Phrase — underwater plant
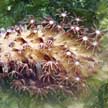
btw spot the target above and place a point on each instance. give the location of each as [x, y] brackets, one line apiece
[49, 56]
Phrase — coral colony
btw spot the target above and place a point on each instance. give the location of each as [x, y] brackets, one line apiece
[50, 56]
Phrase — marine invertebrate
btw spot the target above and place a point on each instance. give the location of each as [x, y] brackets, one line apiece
[50, 56]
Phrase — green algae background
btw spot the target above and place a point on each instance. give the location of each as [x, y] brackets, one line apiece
[96, 11]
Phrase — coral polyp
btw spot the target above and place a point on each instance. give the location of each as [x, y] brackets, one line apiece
[49, 56]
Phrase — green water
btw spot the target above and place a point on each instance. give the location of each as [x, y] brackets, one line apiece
[9, 100]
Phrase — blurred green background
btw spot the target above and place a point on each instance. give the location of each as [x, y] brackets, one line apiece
[12, 11]
[96, 12]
